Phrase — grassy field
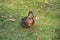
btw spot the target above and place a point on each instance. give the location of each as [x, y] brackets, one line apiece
[47, 19]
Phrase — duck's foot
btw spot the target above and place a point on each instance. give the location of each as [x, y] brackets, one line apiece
[30, 28]
[25, 28]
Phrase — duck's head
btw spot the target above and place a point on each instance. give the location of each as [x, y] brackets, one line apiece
[30, 14]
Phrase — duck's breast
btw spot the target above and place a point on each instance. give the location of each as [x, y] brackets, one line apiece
[29, 21]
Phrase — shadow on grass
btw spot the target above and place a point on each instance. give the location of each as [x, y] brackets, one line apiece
[57, 37]
[58, 32]
[59, 16]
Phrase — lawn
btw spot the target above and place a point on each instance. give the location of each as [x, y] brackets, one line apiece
[47, 19]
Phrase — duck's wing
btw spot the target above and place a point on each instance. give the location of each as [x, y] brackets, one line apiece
[23, 21]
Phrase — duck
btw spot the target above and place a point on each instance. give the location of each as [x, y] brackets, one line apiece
[28, 21]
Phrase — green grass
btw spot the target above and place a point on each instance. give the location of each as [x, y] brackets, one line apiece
[47, 19]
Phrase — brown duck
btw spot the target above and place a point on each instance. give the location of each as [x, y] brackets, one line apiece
[27, 22]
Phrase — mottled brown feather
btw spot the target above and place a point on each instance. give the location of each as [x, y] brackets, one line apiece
[28, 21]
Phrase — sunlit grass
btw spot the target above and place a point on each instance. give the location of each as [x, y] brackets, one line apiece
[47, 19]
